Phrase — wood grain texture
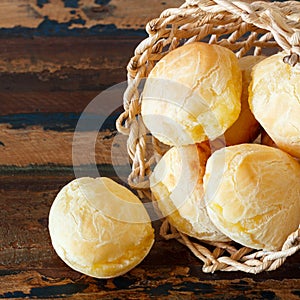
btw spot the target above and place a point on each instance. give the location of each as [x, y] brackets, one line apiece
[40, 54]
[29, 266]
[36, 146]
[124, 14]
[61, 65]
[57, 17]
[37, 101]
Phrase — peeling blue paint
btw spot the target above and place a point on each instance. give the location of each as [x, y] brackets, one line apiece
[65, 122]
[51, 28]
[102, 2]
[71, 3]
[48, 291]
[66, 289]
[16, 294]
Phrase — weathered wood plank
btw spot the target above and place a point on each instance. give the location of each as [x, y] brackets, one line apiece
[34, 102]
[55, 17]
[40, 54]
[30, 268]
[35, 146]
[62, 64]
[36, 285]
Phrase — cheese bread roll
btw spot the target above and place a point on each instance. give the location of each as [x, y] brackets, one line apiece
[252, 194]
[95, 229]
[274, 98]
[176, 184]
[192, 94]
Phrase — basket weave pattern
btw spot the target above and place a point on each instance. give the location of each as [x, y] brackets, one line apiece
[245, 28]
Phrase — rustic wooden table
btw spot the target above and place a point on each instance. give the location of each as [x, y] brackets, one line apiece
[55, 57]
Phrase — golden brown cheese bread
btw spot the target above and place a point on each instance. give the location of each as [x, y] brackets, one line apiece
[252, 194]
[176, 184]
[192, 94]
[95, 229]
[274, 98]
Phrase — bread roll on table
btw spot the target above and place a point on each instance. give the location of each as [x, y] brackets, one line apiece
[99, 228]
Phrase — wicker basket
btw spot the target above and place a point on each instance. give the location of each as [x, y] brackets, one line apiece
[246, 29]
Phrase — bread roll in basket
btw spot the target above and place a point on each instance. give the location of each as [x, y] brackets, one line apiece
[256, 28]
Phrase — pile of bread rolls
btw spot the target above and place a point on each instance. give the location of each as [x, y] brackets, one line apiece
[248, 192]
[214, 183]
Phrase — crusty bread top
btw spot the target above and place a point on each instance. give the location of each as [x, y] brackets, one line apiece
[252, 193]
[192, 94]
[91, 241]
[176, 184]
[274, 98]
